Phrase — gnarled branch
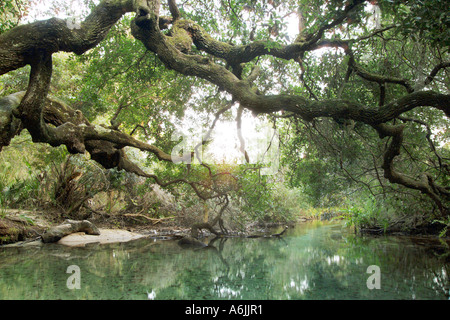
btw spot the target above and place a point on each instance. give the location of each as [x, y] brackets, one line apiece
[19, 45]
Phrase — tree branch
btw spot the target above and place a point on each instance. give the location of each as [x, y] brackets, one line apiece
[425, 185]
[338, 20]
[435, 71]
[202, 67]
[381, 80]
[174, 11]
[428, 137]
[19, 45]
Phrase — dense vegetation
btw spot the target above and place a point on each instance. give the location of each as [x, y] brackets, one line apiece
[357, 92]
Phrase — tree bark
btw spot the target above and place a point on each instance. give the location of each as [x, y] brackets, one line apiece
[10, 126]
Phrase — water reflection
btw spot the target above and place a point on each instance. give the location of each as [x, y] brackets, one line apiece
[312, 261]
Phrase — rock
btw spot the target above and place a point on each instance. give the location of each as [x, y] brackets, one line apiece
[80, 239]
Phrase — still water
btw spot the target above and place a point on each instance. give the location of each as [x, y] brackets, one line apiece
[314, 260]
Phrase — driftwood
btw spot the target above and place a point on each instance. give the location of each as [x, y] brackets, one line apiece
[193, 243]
[281, 233]
[269, 236]
[195, 229]
[69, 227]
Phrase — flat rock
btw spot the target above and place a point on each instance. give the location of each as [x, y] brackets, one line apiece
[80, 239]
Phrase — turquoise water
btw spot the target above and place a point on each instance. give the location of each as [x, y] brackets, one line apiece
[314, 260]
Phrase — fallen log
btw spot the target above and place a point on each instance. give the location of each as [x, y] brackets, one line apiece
[69, 227]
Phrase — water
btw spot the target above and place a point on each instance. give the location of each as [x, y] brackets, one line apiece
[311, 261]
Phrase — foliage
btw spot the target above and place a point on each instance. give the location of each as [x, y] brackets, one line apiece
[369, 214]
[428, 20]
[326, 162]
[11, 12]
[446, 224]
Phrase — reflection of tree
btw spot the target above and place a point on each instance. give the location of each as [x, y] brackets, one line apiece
[309, 263]
[218, 250]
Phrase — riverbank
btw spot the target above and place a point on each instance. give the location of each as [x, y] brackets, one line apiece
[26, 226]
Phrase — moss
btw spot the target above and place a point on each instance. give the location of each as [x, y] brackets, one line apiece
[16, 230]
[180, 38]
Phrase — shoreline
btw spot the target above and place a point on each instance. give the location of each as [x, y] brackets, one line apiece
[25, 226]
